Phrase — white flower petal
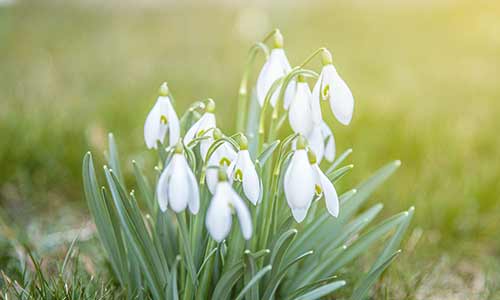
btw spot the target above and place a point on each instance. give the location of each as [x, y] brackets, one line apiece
[317, 142]
[299, 113]
[341, 99]
[299, 214]
[275, 67]
[206, 122]
[162, 188]
[242, 212]
[219, 218]
[329, 192]
[290, 91]
[154, 129]
[173, 125]
[299, 181]
[194, 193]
[251, 184]
[330, 142]
[224, 154]
[179, 185]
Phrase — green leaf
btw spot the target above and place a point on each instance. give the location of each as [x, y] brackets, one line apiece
[267, 153]
[172, 292]
[276, 279]
[144, 188]
[226, 283]
[254, 280]
[109, 236]
[310, 286]
[339, 160]
[322, 291]
[362, 244]
[364, 285]
[339, 173]
[113, 158]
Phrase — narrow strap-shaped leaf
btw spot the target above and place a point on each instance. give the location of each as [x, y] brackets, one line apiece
[113, 158]
[364, 285]
[267, 153]
[138, 237]
[339, 173]
[172, 292]
[205, 261]
[362, 244]
[339, 160]
[254, 280]
[188, 253]
[322, 291]
[280, 249]
[310, 286]
[227, 281]
[393, 244]
[110, 239]
[144, 188]
[327, 248]
[276, 279]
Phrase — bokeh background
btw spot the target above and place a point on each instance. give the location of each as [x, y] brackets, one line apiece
[425, 76]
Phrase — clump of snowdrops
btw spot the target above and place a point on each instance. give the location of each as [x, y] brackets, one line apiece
[245, 215]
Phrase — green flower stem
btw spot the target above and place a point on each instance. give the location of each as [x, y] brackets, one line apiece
[310, 57]
[243, 90]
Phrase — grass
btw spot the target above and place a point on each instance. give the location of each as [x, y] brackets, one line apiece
[424, 76]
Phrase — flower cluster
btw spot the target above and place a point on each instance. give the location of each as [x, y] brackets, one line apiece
[229, 169]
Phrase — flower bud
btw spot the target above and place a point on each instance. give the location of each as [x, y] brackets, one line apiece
[326, 57]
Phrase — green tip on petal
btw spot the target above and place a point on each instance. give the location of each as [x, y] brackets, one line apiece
[301, 78]
[312, 156]
[278, 39]
[217, 134]
[243, 142]
[301, 143]
[222, 175]
[210, 107]
[326, 57]
[179, 148]
[163, 91]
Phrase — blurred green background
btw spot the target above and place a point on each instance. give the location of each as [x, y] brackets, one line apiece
[425, 76]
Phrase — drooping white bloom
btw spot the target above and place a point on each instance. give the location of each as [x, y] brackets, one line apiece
[242, 169]
[177, 186]
[224, 203]
[275, 67]
[161, 117]
[223, 156]
[322, 142]
[300, 111]
[299, 183]
[325, 188]
[201, 128]
[330, 86]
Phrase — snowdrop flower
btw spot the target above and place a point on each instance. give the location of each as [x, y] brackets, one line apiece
[324, 187]
[322, 142]
[177, 186]
[224, 204]
[242, 169]
[300, 112]
[201, 127]
[299, 182]
[331, 87]
[223, 156]
[276, 66]
[161, 117]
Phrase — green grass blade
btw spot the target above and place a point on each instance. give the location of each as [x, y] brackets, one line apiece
[339, 173]
[267, 153]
